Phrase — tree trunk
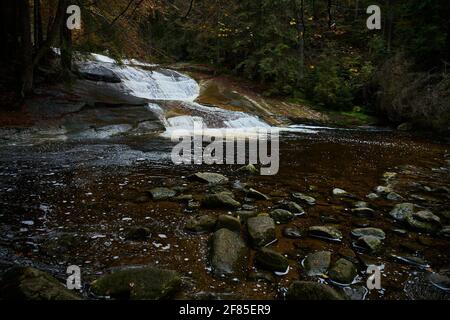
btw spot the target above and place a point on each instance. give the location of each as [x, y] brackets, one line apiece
[27, 49]
[54, 32]
[38, 34]
[66, 47]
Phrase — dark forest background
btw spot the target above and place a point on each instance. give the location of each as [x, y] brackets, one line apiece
[314, 52]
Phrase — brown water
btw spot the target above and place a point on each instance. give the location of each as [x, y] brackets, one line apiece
[93, 191]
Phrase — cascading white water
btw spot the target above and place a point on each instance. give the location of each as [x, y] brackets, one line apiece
[164, 84]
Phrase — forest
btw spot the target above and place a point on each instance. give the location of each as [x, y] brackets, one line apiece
[246, 150]
[316, 52]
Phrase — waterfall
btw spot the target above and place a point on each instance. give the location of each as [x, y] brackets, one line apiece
[158, 85]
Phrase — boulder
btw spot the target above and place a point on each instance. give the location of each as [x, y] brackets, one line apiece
[281, 216]
[361, 232]
[304, 198]
[220, 200]
[210, 178]
[254, 194]
[307, 290]
[343, 272]
[371, 243]
[228, 253]
[25, 283]
[424, 221]
[340, 192]
[401, 211]
[261, 230]
[445, 232]
[317, 264]
[244, 215]
[325, 232]
[249, 169]
[291, 206]
[271, 260]
[138, 284]
[228, 222]
[203, 223]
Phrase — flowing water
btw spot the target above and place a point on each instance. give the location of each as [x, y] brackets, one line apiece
[70, 201]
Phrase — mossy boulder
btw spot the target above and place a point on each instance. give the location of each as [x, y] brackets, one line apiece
[306, 290]
[147, 283]
[271, 260]
[228, 253]
[261, 230]
[25, 283]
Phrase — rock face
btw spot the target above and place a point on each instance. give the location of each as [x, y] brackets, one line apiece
[261, 230]
[220, 200]
[317, 263]
[211, 178]
[325, 232]
[228, 222]
[424, 221]
[228, 253]
[361, 232]
[271, 260]
[138, 284]
[162, 193]
[204, 223]
[401, 211]
[281, 216]
[305, 290]
[343, 272]
[304, 198]
[24, 283]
